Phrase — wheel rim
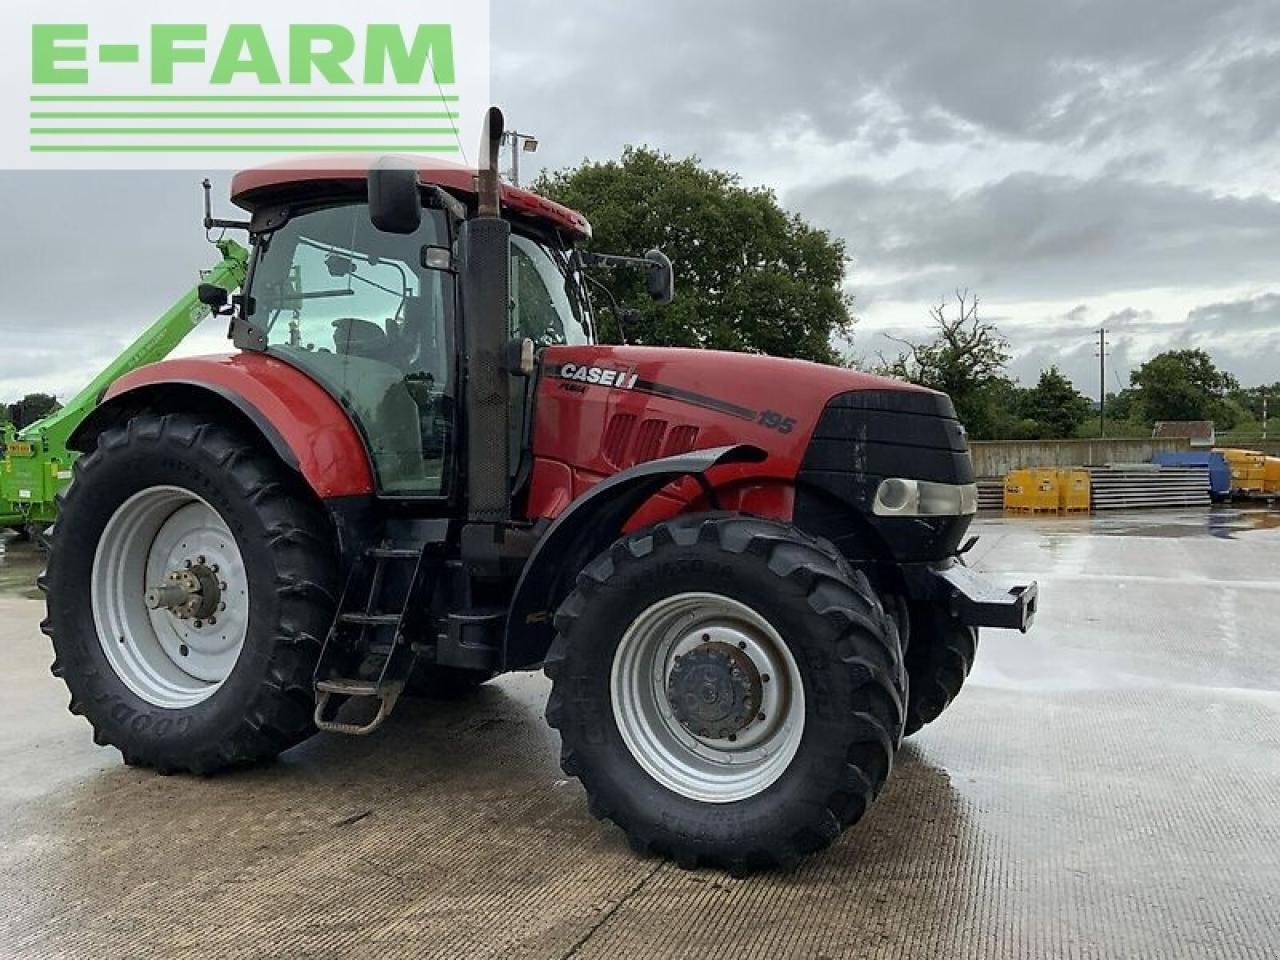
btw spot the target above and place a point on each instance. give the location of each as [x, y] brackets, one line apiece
[167, 537]
[730, 758]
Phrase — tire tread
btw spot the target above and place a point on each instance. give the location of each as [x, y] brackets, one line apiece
[867, 648]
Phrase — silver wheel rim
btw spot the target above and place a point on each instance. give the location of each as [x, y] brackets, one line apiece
[167, 660]
[713, 770]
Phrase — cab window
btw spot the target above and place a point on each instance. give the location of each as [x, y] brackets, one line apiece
[542, 308]
[357, 310]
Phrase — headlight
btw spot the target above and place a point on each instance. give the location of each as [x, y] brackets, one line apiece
[902, 497]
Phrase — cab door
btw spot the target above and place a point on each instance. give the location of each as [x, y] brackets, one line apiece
[359, 311]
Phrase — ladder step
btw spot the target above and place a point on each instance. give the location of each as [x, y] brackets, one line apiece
[370, 619]
[343, 687]
[394, 553]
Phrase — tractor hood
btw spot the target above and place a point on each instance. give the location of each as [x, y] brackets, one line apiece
[831, 437]
[605, 408]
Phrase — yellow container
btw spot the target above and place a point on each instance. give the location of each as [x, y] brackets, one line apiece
[1073, 491]
[1031, 491]
[1248, 468]
[1237, 454]
[1271, 475]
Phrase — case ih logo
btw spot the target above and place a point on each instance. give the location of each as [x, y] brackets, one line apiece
[98, 84]
[624, 379]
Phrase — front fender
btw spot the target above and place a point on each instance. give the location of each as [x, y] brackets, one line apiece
[583, 531]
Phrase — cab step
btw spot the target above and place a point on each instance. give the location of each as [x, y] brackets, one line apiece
[369, 654]
[343, 690]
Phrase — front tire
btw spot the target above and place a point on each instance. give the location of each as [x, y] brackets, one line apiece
[728, 691]
[939, 658]
[227, 680]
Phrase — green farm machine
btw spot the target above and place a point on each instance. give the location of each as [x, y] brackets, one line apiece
[35, 461]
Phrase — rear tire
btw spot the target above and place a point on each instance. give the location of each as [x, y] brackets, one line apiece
[939, 658]
[775, 790]
[234, 692]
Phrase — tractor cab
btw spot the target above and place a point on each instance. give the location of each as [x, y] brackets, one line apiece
[375, 316]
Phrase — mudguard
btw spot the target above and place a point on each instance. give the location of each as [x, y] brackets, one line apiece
[583, 531]
[306, 427]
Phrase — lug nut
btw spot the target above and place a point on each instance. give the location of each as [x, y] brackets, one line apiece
[764, 678]
[214, 568]
[221, 607]
[212, 620]
[200, 560]
[199, 624]
[184, 650]
[186, 564]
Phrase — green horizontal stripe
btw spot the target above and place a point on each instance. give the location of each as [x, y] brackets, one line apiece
[255, 115]
[241, 99]
[244, 148]
[236, 131]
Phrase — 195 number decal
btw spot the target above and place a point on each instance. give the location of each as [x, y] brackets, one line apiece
[773, 420]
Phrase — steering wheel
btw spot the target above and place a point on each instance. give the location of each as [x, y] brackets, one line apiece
[358, 337]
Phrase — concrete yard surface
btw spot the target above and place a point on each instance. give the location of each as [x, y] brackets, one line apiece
[1106, 786]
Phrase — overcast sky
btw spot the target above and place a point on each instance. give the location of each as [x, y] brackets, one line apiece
[1077, 164]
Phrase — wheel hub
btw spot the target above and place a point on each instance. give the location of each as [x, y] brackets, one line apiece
[715, 691]
[192, 593]
[170, 597]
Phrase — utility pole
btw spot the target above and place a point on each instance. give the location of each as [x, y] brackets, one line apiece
[1264, 416]
[1102, 382]
[519, 142]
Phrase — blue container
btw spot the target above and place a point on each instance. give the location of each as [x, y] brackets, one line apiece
[1219, 469]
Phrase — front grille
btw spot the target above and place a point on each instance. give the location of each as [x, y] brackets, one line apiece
[865, 436]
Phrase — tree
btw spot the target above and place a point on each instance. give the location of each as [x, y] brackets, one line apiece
[749, 275]
[1055, 405]
[32, 407]
[966, 359]
[1184, 385]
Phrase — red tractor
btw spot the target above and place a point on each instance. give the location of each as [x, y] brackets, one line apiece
[742, 574]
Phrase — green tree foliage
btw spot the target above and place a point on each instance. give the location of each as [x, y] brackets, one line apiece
[966, 360]
[1054, 405]
[32, 407]
[749, 275]
[1184, 385]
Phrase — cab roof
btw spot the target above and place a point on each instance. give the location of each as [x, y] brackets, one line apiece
[288, 179]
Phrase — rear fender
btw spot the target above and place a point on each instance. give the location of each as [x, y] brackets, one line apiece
[583, 531]
[291, 413]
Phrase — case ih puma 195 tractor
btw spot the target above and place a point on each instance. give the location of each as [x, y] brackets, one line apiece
[741, 574]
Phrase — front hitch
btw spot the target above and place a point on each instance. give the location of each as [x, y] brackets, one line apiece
[976, 601]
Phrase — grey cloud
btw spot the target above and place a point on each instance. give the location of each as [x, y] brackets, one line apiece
[91, 259]
[1034, 235]
[1085, 71]
[1242, 336]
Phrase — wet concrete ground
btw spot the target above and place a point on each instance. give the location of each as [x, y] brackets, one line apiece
[1106, 786]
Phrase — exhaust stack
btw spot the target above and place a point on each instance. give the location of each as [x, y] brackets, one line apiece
[485, 247]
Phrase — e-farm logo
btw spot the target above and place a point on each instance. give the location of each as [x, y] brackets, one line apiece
[112, 88]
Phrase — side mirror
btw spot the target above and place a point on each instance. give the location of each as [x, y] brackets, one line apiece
[212, 296]
[395, 205]
[661, 281]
